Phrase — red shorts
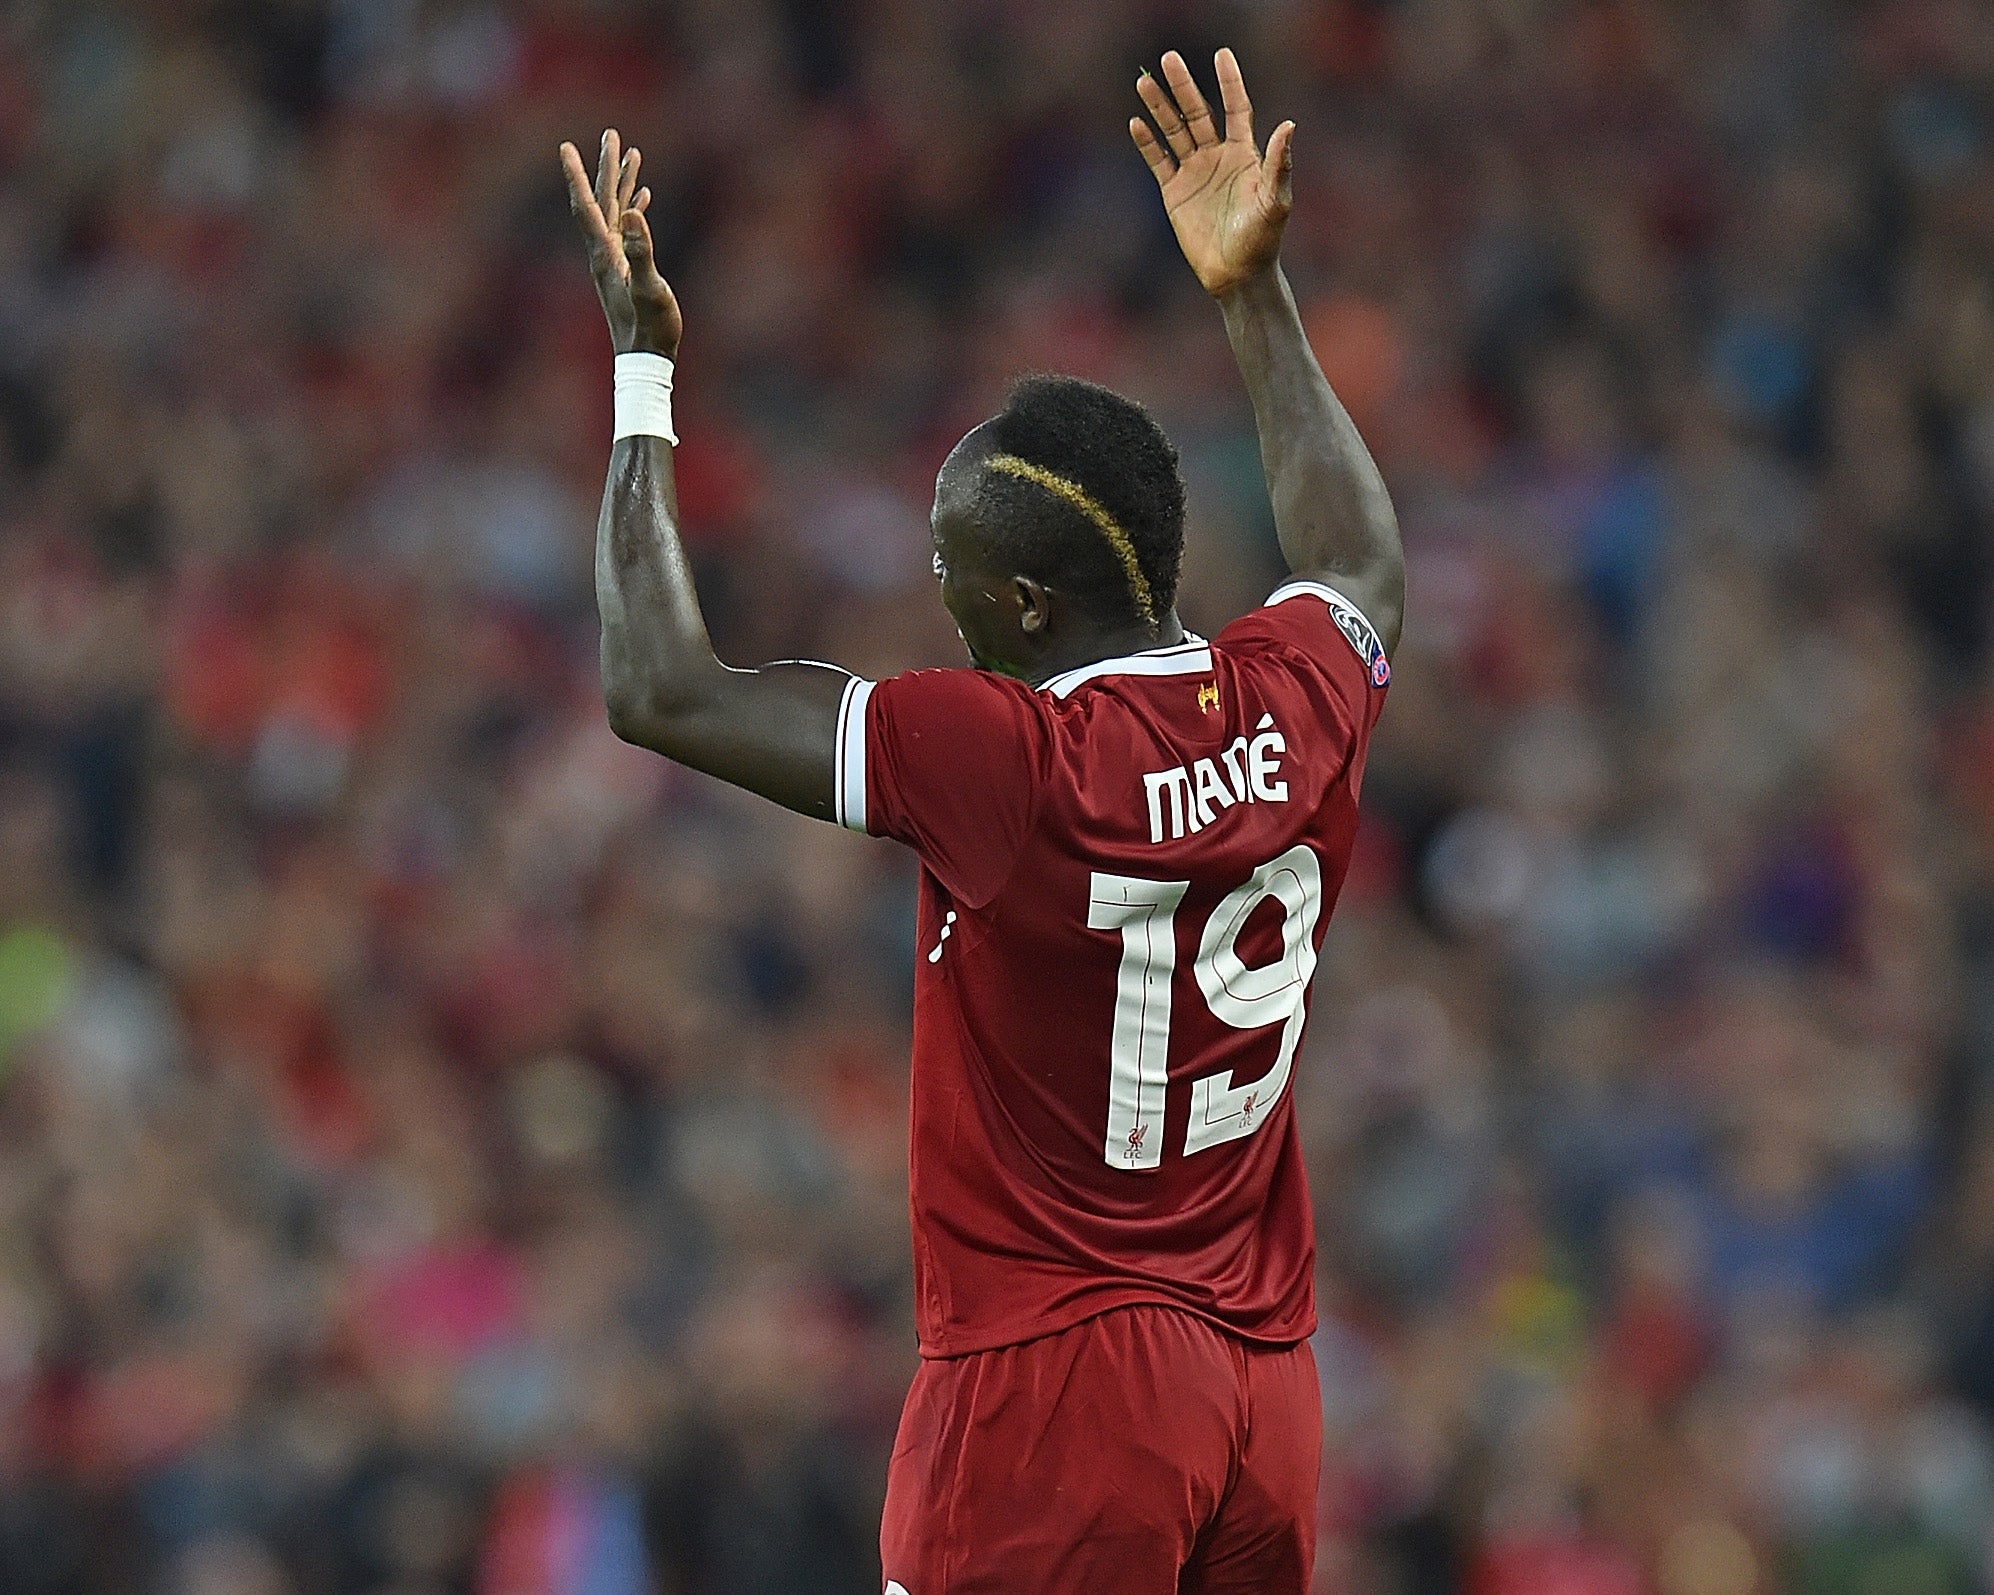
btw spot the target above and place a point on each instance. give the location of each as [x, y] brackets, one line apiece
[1143, 1451]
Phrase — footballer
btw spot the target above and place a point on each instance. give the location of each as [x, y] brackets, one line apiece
[1130, 840]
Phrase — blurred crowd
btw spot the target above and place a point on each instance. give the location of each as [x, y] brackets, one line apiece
[443, 1150]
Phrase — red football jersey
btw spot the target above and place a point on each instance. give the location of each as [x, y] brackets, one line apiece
[1126, 875]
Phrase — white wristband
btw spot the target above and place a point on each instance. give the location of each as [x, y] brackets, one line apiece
[644, 397]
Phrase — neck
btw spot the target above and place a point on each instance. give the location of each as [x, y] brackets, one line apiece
[1096, 646]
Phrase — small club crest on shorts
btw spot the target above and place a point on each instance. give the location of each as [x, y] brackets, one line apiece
[1369, 647]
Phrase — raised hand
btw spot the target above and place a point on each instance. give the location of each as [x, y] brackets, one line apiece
[643, 315]
[1226, 201]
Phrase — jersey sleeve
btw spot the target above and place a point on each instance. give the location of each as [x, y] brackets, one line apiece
[1322, 632]
[949, 762]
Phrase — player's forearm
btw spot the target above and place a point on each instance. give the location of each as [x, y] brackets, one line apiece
[1331, 511]
[658, 667]
[772, 730]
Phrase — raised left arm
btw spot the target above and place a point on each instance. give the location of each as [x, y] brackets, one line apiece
[1228, 204]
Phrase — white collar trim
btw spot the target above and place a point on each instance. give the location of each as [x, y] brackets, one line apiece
[1192, 656]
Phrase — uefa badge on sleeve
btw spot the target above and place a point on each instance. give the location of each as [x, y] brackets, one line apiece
[1370, 648]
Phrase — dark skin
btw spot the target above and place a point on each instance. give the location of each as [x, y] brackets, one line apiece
[773, 730]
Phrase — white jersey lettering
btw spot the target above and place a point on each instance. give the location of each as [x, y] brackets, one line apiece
[1248, 770]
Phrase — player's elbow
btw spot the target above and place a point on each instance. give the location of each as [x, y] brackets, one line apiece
[630, 717]
[640, 713]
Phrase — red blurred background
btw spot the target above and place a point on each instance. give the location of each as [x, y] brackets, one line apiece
[444, 1150]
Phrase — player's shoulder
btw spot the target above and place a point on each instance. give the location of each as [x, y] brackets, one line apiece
[936, 754]
[949, 700]
[1313, 621]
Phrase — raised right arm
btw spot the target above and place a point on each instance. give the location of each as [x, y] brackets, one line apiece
[774, 730]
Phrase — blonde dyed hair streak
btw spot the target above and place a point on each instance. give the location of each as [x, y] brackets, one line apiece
[1091, 507]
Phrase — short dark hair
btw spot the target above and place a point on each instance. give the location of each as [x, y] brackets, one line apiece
[1114, 453]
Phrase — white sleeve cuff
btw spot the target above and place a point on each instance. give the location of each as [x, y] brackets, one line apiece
[849, 766]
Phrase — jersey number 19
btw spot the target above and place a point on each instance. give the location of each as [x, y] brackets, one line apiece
[1247, 999]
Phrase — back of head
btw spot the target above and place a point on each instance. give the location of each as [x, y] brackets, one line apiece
[1082, 490]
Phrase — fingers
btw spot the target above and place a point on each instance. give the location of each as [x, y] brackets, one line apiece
[636, 238]
[1156, 100]
[1198, 119]
[606, 168]
[1161, 162]
[638, 248]
[641, 201]
[576, 176]
[1277, 170]
[626, 182]
[581, 200]
[1232, 94]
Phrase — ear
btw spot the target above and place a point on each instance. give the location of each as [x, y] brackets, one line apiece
[1034, 605]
